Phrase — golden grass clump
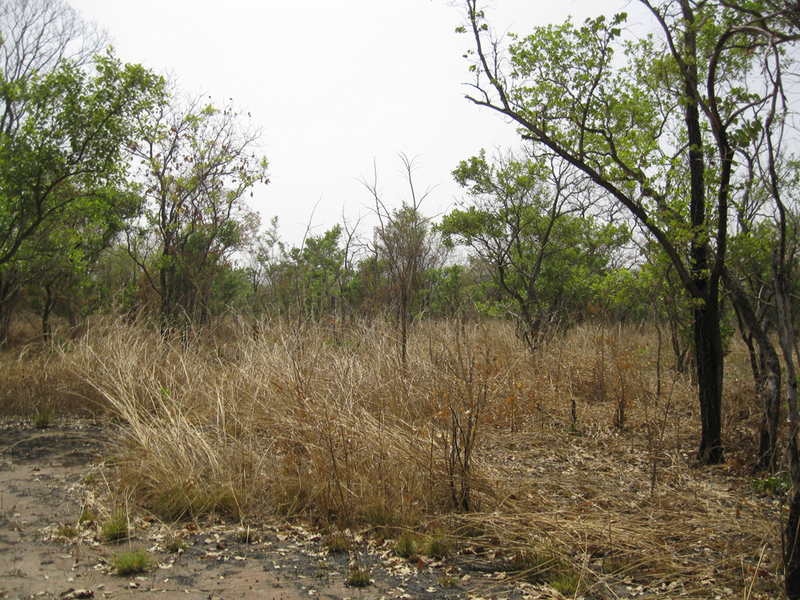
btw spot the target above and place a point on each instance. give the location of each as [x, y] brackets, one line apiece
[581, 453]
[296, 423]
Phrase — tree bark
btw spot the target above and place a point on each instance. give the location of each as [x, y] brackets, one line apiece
[48, 303]
[708, 352]
[768, 382]
[9, 289]
[791, 551]
[791, 537]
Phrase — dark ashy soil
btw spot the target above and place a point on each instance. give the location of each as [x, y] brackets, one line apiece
[49, 476]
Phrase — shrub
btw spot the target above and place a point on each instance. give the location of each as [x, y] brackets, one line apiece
[176, 544]
[565, 584]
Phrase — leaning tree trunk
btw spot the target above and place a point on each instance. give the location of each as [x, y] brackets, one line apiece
[791, 535]
[770, 382]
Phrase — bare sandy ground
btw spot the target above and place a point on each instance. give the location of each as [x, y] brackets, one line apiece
[45, 481]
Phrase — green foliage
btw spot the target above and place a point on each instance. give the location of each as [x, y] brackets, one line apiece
[447, 292]
[337, 543]
[358, 577]
[657, 122]
[64, 188]
[530, 563]
[774, 484]
[382, 517]
[438, 546]
[132, 562]
[543, 254]
[88, 515]
[115, 528]
[247, 536]
[566, 584]
[176, 544]
[312, 274]
[179, 503]
[406, 545]
[44, 418]
[67, 530]
[198, 166]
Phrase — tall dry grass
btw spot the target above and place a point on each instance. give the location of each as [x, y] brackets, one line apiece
[576, 457]
[293, 421]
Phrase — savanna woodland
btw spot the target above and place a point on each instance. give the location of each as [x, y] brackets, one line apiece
[585, 370]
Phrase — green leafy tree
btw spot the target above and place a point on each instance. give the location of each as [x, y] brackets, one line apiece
[198, 165]
[449, 292]
[747, 279]
[308, 276]
[261, 257]
[61, 270]
[67, 122]
[528, 222]
[656, 128]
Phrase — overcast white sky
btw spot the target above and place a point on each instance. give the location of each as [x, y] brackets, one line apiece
[337, 87]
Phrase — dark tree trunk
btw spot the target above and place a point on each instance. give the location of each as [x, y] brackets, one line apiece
[47, 308]
[9, 288]
[705, 276]
[791, 537]
[708, 352]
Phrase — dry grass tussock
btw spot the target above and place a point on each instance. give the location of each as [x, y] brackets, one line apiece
[572, 466]
[38, 380]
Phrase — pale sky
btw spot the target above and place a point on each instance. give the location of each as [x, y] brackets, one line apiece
[337, 87]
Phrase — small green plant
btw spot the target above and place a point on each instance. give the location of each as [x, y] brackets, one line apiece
[565, 584]
[132, 562]
[358, 577]
[337, 543]
[382, 518]
[322, 569]
[438, 546]
[88, 516]
[533, 566]
[177, 503]
[406, 545]
[44, 418]
[446, 581]
[771, 485]
[574, 430]
[91, 479]
[67, 530]
[116, 527]
[176, 544]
